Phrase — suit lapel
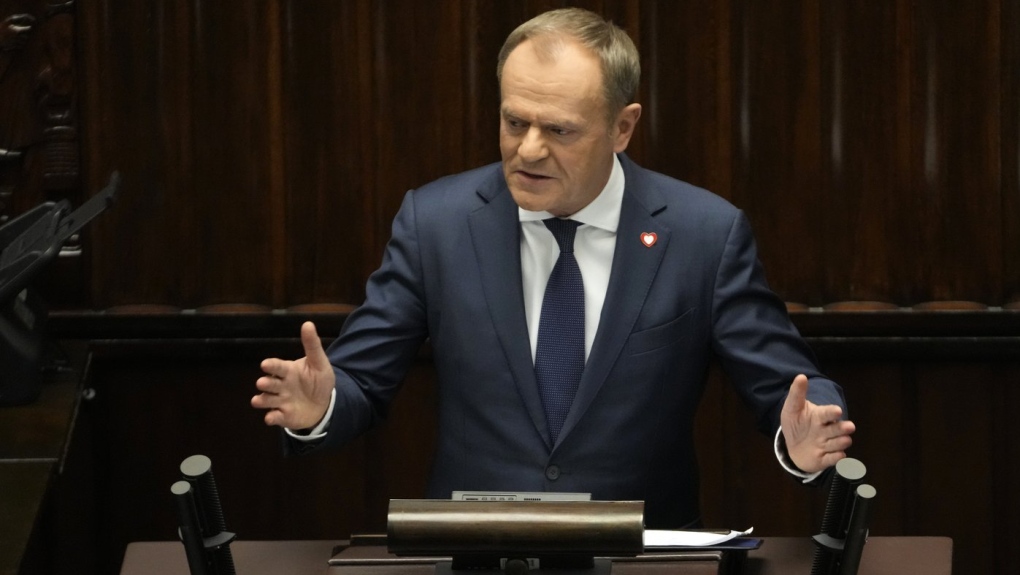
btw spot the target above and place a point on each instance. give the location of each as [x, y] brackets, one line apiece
[495, 233]
[634, 269]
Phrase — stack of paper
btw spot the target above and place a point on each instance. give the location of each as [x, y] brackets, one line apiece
[663, 538]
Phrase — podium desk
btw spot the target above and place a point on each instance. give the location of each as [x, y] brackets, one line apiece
[777, 556]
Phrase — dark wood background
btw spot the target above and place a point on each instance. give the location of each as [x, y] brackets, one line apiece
[265, 146]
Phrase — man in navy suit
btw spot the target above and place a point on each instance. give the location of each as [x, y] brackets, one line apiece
[670, 279]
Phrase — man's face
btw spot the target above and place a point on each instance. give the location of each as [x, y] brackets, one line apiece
[554, 136]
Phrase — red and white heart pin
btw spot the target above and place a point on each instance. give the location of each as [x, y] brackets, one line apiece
[649, 239]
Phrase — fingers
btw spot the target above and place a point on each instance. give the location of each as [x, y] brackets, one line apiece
[845, 427]
[833, 430]
[830, 459]
[276, 367]
[269, 384]
[821, 442]
[290, 389]
[823, 454]
[274, 417]
[274, 405]
[835, 438]
[314, 352]
[840, 442]
[828, 414]
[274, 393]
[796, 399]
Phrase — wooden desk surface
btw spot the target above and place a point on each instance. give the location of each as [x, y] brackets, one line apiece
[777, 556]
[33, 441]
[40, 430]
[22, 490]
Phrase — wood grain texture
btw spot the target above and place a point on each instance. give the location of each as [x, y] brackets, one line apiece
[934, 434]
[265, 148]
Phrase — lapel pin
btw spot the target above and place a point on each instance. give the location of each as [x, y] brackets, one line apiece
[649, 239]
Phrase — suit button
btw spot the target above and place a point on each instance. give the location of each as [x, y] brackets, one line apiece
[552, 473]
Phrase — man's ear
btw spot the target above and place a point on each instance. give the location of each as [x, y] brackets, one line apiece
[624, 125]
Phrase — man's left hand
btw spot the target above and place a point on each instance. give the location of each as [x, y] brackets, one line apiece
[816, 435]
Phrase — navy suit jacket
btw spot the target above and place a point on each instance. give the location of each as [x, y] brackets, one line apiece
[452, 273]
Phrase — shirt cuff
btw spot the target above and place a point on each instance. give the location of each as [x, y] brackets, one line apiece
[784, 459]
[319, 431]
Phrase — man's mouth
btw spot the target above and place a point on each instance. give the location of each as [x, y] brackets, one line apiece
[532, 175]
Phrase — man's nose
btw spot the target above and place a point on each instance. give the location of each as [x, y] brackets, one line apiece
[533, 146]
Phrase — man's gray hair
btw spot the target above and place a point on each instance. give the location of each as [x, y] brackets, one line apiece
[620, 62]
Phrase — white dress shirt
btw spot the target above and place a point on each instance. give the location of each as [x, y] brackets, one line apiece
[594, 246]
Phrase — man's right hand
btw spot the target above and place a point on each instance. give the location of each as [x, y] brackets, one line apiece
[297, 393]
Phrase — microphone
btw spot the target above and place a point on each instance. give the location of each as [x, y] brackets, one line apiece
[203, 529]
[845, 523]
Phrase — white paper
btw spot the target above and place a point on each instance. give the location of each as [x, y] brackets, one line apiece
[664, 538]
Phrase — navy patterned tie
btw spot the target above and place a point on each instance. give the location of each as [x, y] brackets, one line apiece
[559, 357]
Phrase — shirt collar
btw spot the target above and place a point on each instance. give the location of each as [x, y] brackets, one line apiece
[603, 212]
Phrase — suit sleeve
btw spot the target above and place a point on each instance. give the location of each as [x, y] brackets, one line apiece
[380, 339]
[759, 347]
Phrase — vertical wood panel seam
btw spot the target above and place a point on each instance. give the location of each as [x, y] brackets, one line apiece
[277, 193]
[912, 438]
[723, 177]
[1009, 134]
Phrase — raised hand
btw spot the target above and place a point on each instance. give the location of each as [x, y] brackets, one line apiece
[296, 393]
[816, 436]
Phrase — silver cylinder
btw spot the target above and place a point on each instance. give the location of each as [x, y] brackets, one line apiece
[435, 527]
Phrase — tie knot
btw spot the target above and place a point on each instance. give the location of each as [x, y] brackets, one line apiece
[563, 231]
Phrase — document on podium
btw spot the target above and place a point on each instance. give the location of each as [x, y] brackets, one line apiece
[662, 539]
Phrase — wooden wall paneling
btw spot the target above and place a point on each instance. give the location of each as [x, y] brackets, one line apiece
[1006, 475]
[825, 137]
[935, 436]
[74, 539]
[775, 502]
[276, 208]
[420, 98]
[19, 64]
[1010, 141]
[709, 436]
[955, 115]
[22, 58]
[860, 232]
[956, 457]
[731, 477]
[486, 25]
[1005, 467]
[136, 111]
[331, 155]
[905, 179]
[39, 128]
[742, 484]
[1007, 472]
[400, 452]
[777, 164]
[184, 114]
[150, 413]
[686, 125]
[232, 198]
[881, 400]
